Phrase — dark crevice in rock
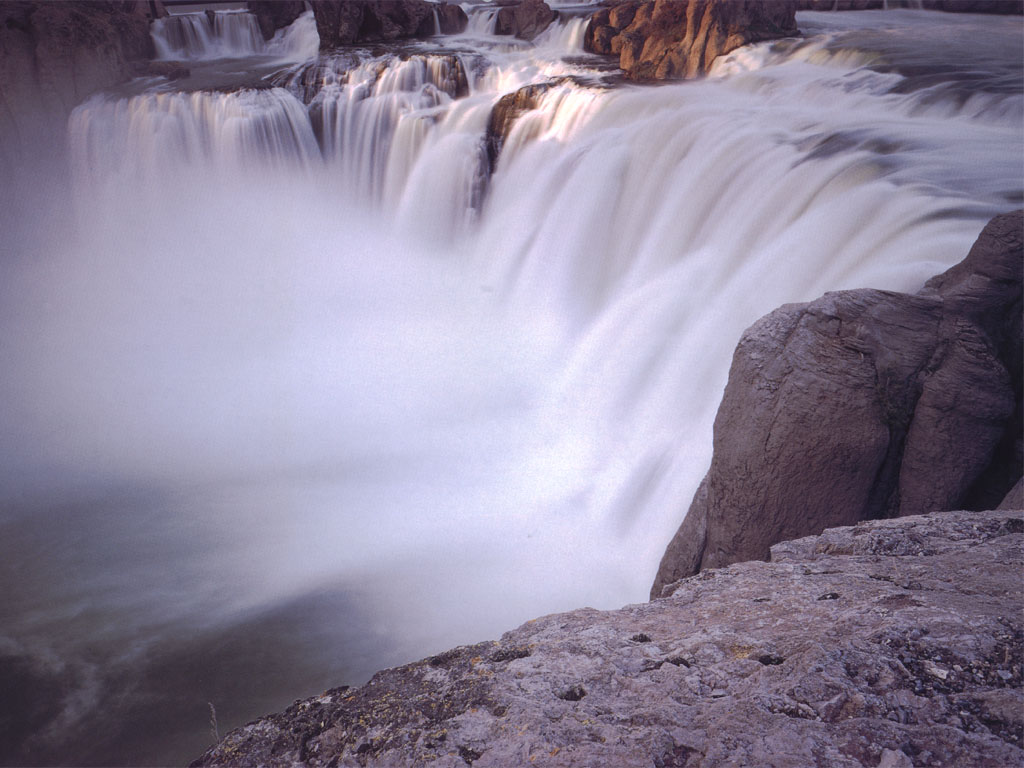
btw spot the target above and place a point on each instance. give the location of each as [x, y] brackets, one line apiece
[572, 693]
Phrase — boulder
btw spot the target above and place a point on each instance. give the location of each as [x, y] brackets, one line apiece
[865, 404]
[272, 15]
[525, 20]
[344, 22]
[675, 39]
[451, 19]
[894, 643]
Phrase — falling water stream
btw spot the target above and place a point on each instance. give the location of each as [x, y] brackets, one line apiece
[297, 387]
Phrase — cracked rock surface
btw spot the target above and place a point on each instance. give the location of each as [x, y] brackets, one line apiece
[891, 643]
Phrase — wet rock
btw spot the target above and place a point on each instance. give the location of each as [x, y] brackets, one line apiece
[451, 19]
[674, 39]
[345, 22]
[878, 677]
[54, 55]
[506, 111]
[865, 404]
[272, 15]
[524, 20]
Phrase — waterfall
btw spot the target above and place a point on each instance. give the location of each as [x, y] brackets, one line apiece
[302, 386]
[230, 34]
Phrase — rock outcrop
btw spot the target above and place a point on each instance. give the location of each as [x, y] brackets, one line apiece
[451, 19]
[272, 15]
[344, 22]
[674, 39]
[524, 20]
[894, 643]
[506, 111]
[862, 405]
[54, 55]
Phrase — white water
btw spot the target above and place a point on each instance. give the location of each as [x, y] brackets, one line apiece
[231, 35]
[295, 349]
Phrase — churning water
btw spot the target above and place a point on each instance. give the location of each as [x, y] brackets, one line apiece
[297, 387]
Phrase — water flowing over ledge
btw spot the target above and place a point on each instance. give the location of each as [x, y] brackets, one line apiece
[300, 367]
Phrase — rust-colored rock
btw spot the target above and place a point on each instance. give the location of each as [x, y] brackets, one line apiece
[676, 39]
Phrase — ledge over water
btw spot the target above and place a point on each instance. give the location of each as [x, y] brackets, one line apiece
[889, 643]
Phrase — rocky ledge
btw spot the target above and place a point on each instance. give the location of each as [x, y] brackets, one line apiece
[674, 39]
[866, 404]
[892, 643]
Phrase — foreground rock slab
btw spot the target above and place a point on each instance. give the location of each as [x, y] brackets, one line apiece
[892, 643]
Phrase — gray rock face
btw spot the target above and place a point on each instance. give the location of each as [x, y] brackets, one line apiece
[862, 405]
[892, 643]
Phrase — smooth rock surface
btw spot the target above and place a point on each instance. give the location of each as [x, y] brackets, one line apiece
[524, 20]
[894, 643]
[862, 405]
[675, 39]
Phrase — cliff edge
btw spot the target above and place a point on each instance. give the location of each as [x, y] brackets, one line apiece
[892, 643]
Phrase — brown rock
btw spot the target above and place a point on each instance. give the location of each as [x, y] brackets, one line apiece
[451, 18]
[525, 20]
[674, 39]
[864, 404]
[506, 111]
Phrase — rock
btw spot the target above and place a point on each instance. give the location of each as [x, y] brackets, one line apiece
[54, 55]
[1015, 498]
[525, 20]
[917, 660]
[272, 15]
[451, 19]
[506, 111]
[861, 405]
[674, 39]
[344, 22]
[172, 70]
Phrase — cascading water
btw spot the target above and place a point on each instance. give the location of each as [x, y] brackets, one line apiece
[229, 35]
[302, 389]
